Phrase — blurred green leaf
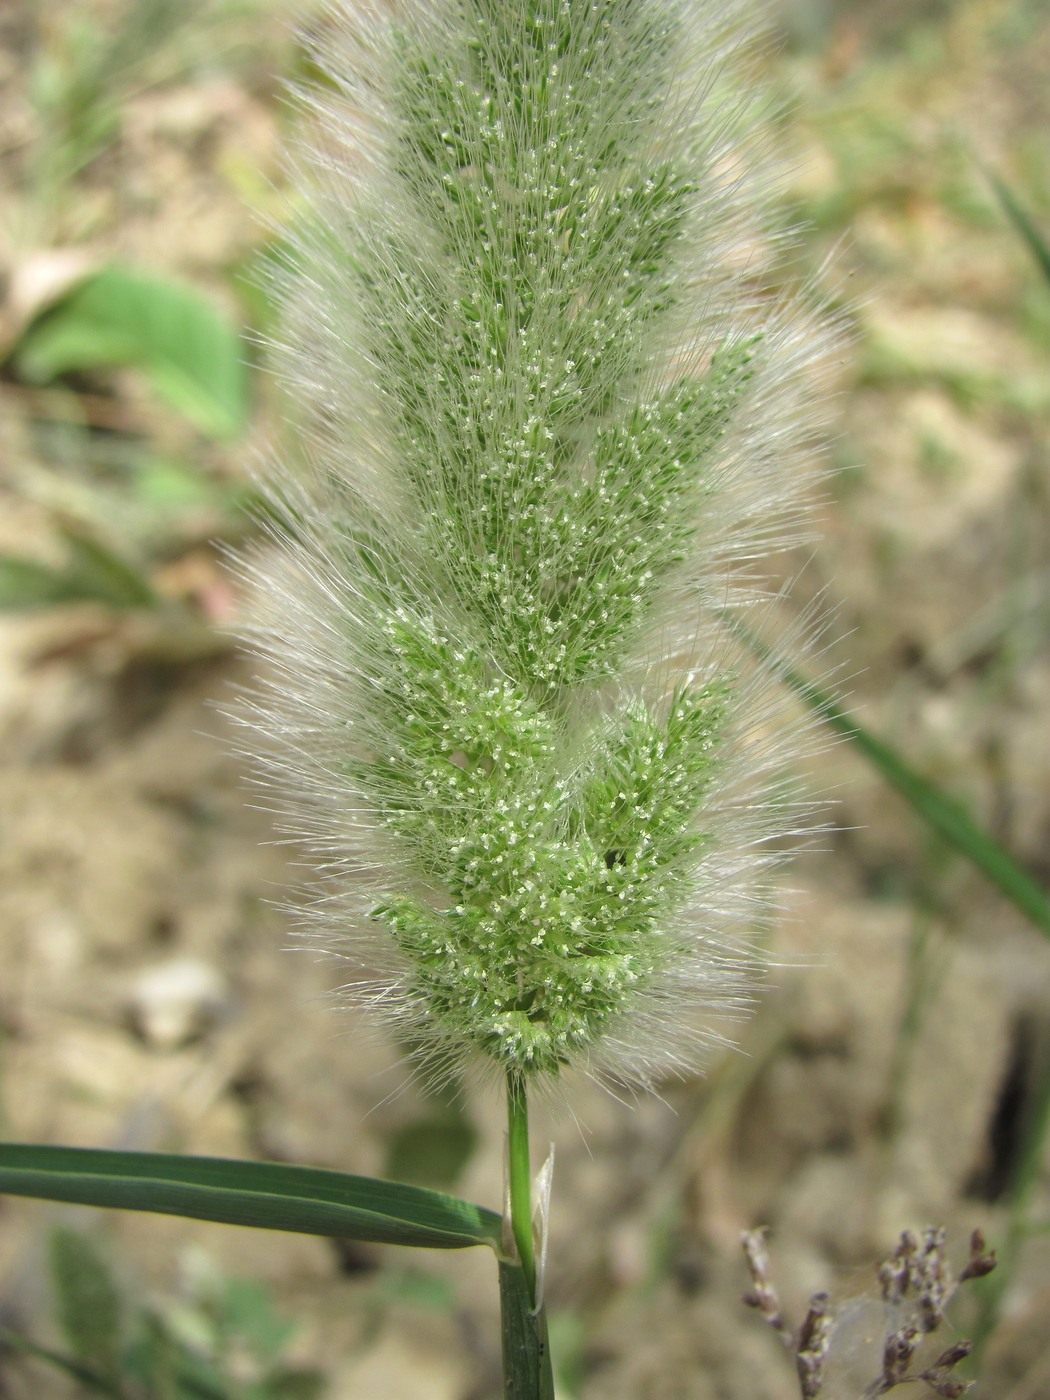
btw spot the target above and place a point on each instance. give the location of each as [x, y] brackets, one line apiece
[430, 1151]
[415, 1289]
[75, 1370]
[85, 67]
[150, 1358]
[162, 1366]
[87, 1301]
[102, 574]
[92, 574]
[248, 1312]
[176, 486]
[26, 584]
[264, 1195]
[226, 1341]
[191, 354]
[942, 813]
[1022, 222]
[295, 1383]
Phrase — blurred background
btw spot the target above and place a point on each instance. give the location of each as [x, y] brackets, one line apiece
[897, 1071]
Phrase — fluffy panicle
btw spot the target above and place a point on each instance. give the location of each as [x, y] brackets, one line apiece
[547, 418]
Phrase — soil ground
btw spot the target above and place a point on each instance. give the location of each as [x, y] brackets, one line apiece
[895, 1065]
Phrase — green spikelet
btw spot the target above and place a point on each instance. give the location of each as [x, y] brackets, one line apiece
[543, 420]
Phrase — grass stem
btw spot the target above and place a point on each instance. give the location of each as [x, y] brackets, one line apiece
[527, 1373]
[520, 1174]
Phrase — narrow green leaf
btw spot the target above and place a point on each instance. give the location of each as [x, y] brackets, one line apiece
[26, 584]
[84, 1375]
[1022, 222]
[941, 812]
[93, 573]
[99, 572]
[189, 351]
[265, 1195]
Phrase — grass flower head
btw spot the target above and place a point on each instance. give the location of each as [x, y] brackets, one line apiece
[547, 421]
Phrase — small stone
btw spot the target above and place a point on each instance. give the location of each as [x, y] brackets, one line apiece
[173, 1002]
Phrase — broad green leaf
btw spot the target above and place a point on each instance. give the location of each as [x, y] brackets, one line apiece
[190, 352]
[941, 813]
[431, 1151]
[266, 1195]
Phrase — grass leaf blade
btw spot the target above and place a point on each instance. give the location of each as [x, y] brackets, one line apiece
[75, 1370]
[1022, 222]
[264, 1195]
[941, 812]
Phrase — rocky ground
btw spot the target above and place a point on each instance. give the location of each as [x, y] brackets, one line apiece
[892, 1075]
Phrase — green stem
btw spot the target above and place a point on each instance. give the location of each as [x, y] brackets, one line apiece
[527, 1371]
[520, 1173]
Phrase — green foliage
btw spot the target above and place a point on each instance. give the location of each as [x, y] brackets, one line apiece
[225, 1342]
[87, 1302]
[1023, 224]
[431, 1151]
[92, 573]
[191, 355]
[83, 68]
[941, 812]
[260, 1194]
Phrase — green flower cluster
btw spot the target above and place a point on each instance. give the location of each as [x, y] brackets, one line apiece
[544, 414]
